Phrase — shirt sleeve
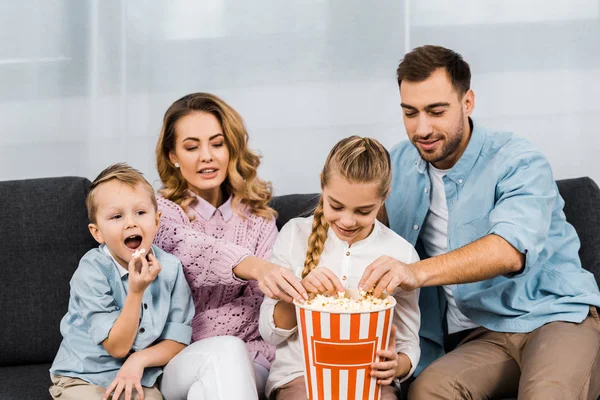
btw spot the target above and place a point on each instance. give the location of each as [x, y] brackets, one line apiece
[407, 319]
[527, 196]
[281, 256]
[207, 261]
[91, 294]
[179, 321]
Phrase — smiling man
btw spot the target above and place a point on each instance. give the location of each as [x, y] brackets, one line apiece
[503, 287]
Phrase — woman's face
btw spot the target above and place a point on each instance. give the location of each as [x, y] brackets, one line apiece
[202, 154]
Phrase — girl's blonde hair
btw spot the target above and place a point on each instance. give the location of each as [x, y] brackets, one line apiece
[242, 181]
[358, 160]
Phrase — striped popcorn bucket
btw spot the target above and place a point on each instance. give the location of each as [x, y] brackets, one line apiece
[339, 348]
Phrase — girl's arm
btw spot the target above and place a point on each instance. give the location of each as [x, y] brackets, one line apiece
[277, 320]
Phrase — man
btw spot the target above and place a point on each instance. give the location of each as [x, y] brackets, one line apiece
[503, 279]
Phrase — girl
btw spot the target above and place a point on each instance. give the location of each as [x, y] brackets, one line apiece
[216, 220]
[330, 251]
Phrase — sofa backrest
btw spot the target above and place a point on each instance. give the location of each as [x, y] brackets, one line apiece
[43, 234]
[582, 209]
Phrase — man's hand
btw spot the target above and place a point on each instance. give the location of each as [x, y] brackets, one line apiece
[280, 283]
[387, 273]
[322, 280]
[140, 273]
[128, 378]
[385, 371]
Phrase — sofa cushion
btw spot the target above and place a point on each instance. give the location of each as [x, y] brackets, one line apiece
[43, 235]
[25, 382]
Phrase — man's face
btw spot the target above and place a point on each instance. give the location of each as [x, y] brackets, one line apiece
[436, 119]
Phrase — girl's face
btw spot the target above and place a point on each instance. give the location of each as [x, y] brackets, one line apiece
[202, 154]
[350, 208]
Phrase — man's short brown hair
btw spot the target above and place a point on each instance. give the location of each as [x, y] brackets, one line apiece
[123, 173]
[420, 63]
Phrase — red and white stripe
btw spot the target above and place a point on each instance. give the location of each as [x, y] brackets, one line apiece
[339, 350]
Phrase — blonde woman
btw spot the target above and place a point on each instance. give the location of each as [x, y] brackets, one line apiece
[330, 252]
[216, 220]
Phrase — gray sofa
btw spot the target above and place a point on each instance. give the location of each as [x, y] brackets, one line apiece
[43, 234]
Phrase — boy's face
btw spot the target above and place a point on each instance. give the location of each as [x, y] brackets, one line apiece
[125, 219]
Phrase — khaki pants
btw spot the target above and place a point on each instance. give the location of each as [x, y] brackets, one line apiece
[560, 360]
[67, 388]
[296, 390]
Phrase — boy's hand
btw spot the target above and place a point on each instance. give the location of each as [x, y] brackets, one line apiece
[141, 278]
[322, 280]
[385, 371]
[128, 378]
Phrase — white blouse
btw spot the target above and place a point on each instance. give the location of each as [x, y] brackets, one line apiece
[348, 263]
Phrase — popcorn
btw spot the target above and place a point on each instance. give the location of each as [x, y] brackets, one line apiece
[343, 303]
[138, 253]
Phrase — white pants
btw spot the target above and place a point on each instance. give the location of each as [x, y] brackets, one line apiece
[216, 368]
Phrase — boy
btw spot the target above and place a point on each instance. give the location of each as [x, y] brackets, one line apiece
[128, 314]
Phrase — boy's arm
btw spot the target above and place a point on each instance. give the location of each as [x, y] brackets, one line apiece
[157, 355]
[123, 333]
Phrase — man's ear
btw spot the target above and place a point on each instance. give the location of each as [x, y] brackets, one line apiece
[96, 233]
[469, 102]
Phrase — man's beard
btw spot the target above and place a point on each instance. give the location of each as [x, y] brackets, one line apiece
[448, 147]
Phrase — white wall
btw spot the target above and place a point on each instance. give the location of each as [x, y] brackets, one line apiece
[86, 83]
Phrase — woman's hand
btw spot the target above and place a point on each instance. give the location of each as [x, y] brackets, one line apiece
[280, 283]
[128, 378]
[322, 280]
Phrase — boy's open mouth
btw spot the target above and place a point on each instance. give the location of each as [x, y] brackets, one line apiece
[133, 241]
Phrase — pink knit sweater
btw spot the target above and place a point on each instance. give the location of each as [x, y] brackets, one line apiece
[209, 247]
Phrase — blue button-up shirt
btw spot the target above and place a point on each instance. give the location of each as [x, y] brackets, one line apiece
[98, 290]
[501, 185]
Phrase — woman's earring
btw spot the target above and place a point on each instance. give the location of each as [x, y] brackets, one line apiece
[176, 165]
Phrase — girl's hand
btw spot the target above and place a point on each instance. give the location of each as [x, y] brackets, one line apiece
[322, 280]
[128, 378]
[141, 277]
[385, 371]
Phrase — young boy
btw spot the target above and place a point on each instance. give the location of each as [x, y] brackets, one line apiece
[128, 314]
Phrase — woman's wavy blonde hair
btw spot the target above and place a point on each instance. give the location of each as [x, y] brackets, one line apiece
[358, 160]
[242, 181]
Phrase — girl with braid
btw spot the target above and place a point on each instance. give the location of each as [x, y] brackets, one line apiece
[329, 252]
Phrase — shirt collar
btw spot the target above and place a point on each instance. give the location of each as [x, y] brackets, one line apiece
[461, 170]
[122, 271]
[207, 210]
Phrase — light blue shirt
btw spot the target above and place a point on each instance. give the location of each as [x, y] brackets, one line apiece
[501, 185]
[98, 290]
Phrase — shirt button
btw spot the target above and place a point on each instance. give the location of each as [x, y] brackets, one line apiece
[344, 277]
[142, 330]
[347, 253]
[416, 227]
[460, 181]
[426, 190]
[145, 306]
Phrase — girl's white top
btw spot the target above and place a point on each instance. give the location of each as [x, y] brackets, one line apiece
[348, 263]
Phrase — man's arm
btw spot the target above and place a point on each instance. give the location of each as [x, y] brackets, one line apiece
[485, 258]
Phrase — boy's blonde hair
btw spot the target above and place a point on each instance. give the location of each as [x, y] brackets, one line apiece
[123, 173]
[358, 160]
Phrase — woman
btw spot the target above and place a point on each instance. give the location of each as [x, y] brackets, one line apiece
[216, 219]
